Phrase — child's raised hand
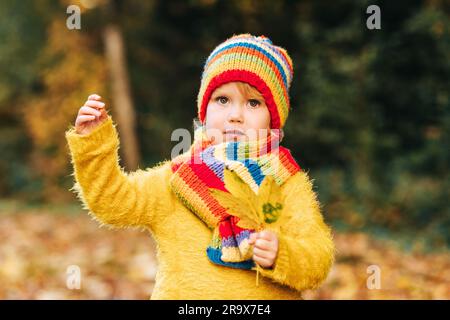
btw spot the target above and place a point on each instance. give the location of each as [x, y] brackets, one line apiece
[91, 115]
[265, 248]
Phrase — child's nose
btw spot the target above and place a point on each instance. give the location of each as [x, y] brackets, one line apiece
[236, 113]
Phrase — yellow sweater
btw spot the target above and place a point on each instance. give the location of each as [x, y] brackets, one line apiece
[143, 199]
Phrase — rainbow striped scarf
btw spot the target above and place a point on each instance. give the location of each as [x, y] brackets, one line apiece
[202, 168]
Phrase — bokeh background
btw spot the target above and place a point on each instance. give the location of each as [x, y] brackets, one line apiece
[370, 121]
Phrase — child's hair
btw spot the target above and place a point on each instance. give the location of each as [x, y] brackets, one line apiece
[248, 91]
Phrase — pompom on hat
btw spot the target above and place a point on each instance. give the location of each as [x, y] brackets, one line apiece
[256, 61]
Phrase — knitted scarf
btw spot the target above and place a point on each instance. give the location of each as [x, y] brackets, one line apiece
[202, 168]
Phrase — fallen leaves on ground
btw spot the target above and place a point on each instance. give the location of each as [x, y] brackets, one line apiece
[37, 249]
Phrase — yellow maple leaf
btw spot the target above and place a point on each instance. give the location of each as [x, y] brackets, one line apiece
[248, 218]
[270, 202]
[254, 211]
[239, 189]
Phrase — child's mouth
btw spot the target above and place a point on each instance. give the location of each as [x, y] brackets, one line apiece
[233, 134]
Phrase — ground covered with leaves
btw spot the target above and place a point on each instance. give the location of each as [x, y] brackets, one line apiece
[39, 249]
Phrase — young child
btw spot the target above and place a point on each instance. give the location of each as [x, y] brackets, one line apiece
[203, 250]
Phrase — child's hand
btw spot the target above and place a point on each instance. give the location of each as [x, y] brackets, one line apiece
[91, 115]
[265, 250]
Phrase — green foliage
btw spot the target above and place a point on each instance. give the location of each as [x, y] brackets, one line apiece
[370, 108]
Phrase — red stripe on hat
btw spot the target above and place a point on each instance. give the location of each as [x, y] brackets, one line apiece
[245, 76]
[260, 55]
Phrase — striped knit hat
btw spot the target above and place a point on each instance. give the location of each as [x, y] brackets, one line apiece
[256, 61]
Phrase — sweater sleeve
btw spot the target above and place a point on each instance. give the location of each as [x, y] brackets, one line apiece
[112, 196]
[306, 248]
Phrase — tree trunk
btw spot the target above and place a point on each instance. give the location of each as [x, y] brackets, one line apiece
[122, 104]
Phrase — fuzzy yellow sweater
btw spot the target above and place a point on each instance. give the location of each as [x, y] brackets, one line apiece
[144, 199]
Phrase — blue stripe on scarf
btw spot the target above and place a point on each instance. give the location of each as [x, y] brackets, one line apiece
[254, 169]
[232, 150]
[215, 255]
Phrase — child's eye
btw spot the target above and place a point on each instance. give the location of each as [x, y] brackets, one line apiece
[254, 103]
[222, 100]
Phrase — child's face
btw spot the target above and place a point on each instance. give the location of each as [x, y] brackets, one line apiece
[236, 112]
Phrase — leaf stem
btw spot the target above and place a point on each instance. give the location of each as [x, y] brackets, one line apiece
[257, 274]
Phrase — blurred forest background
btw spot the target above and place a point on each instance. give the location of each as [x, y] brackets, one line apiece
[370, 121]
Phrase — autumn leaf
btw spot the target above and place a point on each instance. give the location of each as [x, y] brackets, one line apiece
[239, 189]
[248, 217]
[254, 211]
[270, 202]
[121, 264]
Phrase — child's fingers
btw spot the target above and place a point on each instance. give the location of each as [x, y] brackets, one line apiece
[252, 238]
[259, 235]
[89, 111]
[266, 254]
[103, 112]
[265, 263]
[84, 118]
[94, 97]
[265, 235]
[95, 104]
[263, 244]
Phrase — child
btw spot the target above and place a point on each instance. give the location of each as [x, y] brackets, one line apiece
[204, 251]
